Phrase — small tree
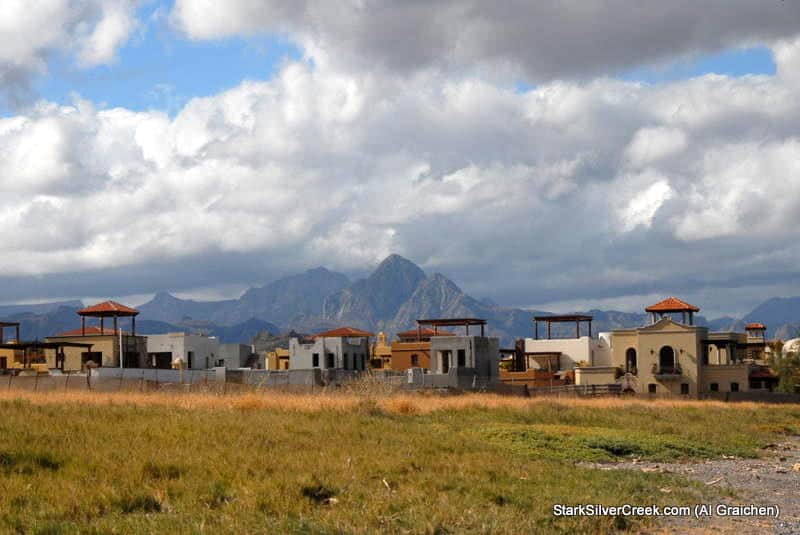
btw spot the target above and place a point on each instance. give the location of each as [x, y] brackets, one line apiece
[785, 362]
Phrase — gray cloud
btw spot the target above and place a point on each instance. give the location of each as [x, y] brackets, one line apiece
[538, 40]
[572, 191]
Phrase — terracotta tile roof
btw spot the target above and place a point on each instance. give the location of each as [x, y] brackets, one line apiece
[755, 327]
[672, 304]
[426, 332]
[108, 308]
[344, 332]
[90, 331]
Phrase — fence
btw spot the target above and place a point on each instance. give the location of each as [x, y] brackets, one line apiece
[117, 380]
[581, 391]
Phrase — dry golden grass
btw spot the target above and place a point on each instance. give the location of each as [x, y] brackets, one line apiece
[267, 462]
[406, 404]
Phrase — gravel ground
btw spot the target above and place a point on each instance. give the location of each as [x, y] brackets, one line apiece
[773, 479]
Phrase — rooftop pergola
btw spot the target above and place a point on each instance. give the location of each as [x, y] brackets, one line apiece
[672, 305]
[108, 309]
[563, 318]
[11, 324]
[454, 322]
[28, 347]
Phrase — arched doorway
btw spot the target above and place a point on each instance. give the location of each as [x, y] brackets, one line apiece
[666, 359]
[630, 360]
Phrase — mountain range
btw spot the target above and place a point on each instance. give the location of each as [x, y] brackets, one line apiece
[390, 299]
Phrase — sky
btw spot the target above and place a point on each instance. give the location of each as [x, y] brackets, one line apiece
[556, 155]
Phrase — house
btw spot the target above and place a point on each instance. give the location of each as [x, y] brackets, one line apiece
[412, 349]
[345, 348]
[277, 359]
[196, 351]
[381, 358]
[466, 358]
[17, 356]
[669, 356]
[239, 356]
[110, 346]
[563, 354]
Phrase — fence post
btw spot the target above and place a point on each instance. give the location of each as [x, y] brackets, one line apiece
[141, 382]
[36, 382]
[66, 382]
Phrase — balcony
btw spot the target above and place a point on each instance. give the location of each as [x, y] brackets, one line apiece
[667, 373]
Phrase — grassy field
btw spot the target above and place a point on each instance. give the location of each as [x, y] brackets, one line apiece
[136, 463]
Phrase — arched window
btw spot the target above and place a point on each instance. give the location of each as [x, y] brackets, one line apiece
[666, 359]
[630, 360]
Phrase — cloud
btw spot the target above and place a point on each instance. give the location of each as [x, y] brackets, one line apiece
[571, 190]
[31, 32]
[538, 41]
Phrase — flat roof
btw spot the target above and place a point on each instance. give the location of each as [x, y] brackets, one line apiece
[559, 318]
[9, 324]
[44, 345]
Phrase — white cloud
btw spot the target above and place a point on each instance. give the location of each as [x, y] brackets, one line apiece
[92, 30]
[641, 209]
[652, 144]
[569, 188]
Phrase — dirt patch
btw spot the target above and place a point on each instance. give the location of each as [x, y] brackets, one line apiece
[773, 479]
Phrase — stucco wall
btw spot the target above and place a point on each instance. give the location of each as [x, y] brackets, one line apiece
[402, 352]
[724, 376]
[205, 350]
[573, 350]
[481, 354]
[301, 355]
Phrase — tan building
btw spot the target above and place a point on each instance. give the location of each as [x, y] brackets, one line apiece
[679, 358]
[670, 356]
[107, 343]
[278, 359]
[412, 349]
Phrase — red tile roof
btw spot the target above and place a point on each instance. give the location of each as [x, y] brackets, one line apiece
[108, 308]
[672, 304]
[426, 333]
[755, 327]
[345, 332]
[90, 331]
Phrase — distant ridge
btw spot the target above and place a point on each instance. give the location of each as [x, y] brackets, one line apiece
[390, 299]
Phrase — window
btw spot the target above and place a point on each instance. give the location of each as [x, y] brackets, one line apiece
[345, 359]
[666, 359]
[734, 387]
[462, 358]
[651, 388]
[415, 360]
[684, 388]
[3, 363]
[630, 360]
[96, 357]
[190, 360]
[331, 362]
[315, 360]
[714, 387]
